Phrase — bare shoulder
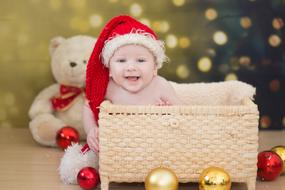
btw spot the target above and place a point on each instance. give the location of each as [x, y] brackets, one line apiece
[161, 81]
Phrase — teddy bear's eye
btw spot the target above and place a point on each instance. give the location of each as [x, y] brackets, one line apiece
[84, 61]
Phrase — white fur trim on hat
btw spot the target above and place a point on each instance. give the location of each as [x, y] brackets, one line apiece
[156, 47]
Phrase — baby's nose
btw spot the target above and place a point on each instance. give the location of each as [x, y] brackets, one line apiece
[131, 66]
[72, 64]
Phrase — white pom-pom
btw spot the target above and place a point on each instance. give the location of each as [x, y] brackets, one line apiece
[73, 161]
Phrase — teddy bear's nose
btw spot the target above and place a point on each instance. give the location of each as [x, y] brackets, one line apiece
[72, 64]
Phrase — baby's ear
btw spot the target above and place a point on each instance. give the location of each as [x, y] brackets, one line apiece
[54, 43]
[155, 71]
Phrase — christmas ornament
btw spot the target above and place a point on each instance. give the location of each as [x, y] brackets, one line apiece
[161, 179]
[280, 150]
[269, 165]
[88, 178]
[214, 178]
[65, 136]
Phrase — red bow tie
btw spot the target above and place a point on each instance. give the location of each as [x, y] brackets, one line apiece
[66, 97]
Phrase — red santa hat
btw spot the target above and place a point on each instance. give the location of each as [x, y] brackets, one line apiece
[120, 31]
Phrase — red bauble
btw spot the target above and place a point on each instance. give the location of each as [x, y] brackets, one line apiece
[65, 136]
[269, 165]
[88, 178]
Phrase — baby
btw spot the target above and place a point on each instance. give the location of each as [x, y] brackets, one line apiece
[123, 69]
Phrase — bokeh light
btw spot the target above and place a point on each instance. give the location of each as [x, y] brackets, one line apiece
[277, 23]
[145, 21]
[182, 71]
[136, 9]
[245, 22]
[178, 3]
[171, 41]
[211, 14]
[265, 121]
[220, 38]
[164, 26]
[274, 85]
[231, 76]
[184, 42]
[244, 60]
[95, 20]
[205, 64]
[274, 40]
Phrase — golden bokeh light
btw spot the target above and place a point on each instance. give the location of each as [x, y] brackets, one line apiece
[274, 85]
[244, 60]
[220, 38]
[277, 23]
[178, 3]
[265, 121]
[231, 76]
[171, 41]
[184, 42]
[182, 71]
[55, 4]
[245, 22]
[145, 21]
[136, 9]
[95, 20]
[211, 14]
[204, 64]
[164, 26]
[274, 40]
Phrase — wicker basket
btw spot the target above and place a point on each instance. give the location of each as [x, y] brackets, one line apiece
[186, 139]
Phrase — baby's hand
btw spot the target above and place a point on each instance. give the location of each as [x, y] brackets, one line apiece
[93, 139]
[163, 102]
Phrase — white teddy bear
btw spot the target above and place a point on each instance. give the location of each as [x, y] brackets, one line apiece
[60, 104]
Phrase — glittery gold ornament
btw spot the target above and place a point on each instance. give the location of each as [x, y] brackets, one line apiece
[214, 178]
[280, 150]
[161, 179]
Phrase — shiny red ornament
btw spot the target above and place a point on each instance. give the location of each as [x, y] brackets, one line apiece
[88, 178]
[65, 136]
[269, 165]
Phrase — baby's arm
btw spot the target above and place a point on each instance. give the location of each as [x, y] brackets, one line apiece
[90, 127]
[168, 96]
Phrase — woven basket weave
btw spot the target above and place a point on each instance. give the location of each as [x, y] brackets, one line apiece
[186, 139]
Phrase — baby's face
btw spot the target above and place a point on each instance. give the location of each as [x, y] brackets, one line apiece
[132, 67]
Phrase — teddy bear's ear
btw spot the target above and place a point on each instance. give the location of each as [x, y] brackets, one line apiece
[54, 43]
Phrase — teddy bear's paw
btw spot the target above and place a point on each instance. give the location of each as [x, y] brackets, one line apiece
[73, 161]
[44, 128]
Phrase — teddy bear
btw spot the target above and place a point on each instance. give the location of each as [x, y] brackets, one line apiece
[60, 104]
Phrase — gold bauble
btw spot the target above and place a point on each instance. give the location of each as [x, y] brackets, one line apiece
[280, 150]
[161, 179]
[214, 178]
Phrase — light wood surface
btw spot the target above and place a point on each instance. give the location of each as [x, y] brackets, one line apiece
[26, 165]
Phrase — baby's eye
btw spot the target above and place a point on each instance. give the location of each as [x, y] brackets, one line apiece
[141, 60]
[121, 60]
[84, 61]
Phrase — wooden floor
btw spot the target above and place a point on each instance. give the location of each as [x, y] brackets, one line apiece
[26, 165]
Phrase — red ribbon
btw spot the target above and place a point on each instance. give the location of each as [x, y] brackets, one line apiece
[66, 97]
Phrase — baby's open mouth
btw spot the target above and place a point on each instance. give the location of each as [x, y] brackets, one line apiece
[132, 78]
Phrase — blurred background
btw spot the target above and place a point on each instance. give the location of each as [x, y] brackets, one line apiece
[206, 41]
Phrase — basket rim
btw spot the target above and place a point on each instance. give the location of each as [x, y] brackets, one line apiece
[108, 107]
